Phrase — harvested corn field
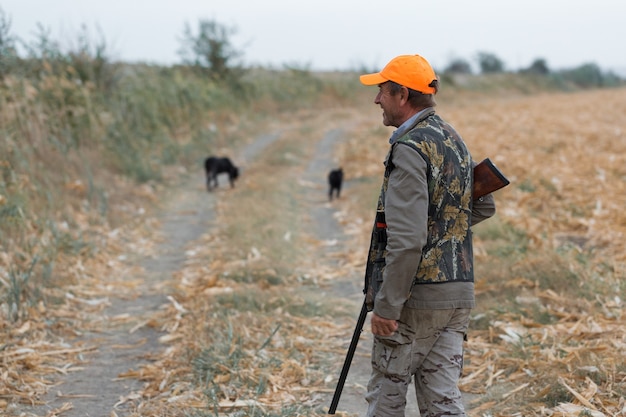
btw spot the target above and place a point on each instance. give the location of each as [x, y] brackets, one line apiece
[243, 301]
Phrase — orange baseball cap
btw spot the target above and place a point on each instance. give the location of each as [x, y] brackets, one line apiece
[412, 71]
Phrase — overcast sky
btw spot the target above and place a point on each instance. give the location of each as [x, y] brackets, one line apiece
[346, 34]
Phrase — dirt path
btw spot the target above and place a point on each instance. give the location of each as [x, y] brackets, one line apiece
[349, 288]
[123, 341]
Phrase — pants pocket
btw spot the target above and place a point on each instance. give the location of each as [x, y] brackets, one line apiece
[391, 358]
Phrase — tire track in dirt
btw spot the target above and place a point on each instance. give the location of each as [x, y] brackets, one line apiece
[124, 342]
[349, 289]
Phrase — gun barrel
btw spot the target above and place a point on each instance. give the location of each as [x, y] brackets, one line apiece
[346, 364]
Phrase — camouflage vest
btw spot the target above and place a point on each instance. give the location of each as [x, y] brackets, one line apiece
[447, 253]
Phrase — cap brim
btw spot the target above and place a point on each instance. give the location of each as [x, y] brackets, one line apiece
[372, 79]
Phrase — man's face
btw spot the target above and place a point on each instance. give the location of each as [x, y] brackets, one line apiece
[390, 105]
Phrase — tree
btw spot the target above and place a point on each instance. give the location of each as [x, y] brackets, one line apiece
[539, 66]
[586, 75]
[489, 63]
[210, 50]
[458, 66]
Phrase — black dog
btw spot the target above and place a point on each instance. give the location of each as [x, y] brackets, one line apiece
[335, 178]
[214, 166]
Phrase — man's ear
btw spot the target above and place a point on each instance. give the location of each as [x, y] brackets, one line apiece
[404, 94]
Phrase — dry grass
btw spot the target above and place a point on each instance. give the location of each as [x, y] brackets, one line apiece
[248, 332]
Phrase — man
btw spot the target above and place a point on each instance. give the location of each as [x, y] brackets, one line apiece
[421, 309]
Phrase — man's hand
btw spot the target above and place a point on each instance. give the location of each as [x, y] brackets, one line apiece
[382, 326]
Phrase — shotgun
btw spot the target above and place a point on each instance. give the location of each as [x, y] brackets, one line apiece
[346, 364]
[375, 261]
[487, 179]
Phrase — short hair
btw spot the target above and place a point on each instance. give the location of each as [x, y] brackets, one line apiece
[416, 98]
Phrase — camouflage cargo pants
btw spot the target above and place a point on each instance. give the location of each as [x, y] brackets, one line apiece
[429, 346]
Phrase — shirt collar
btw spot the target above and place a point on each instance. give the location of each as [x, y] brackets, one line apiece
[409, 123]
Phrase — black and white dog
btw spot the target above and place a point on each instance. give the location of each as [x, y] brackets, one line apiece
[335, 178]
[214, 166]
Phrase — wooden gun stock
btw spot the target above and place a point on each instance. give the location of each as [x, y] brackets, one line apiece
[487, 179]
